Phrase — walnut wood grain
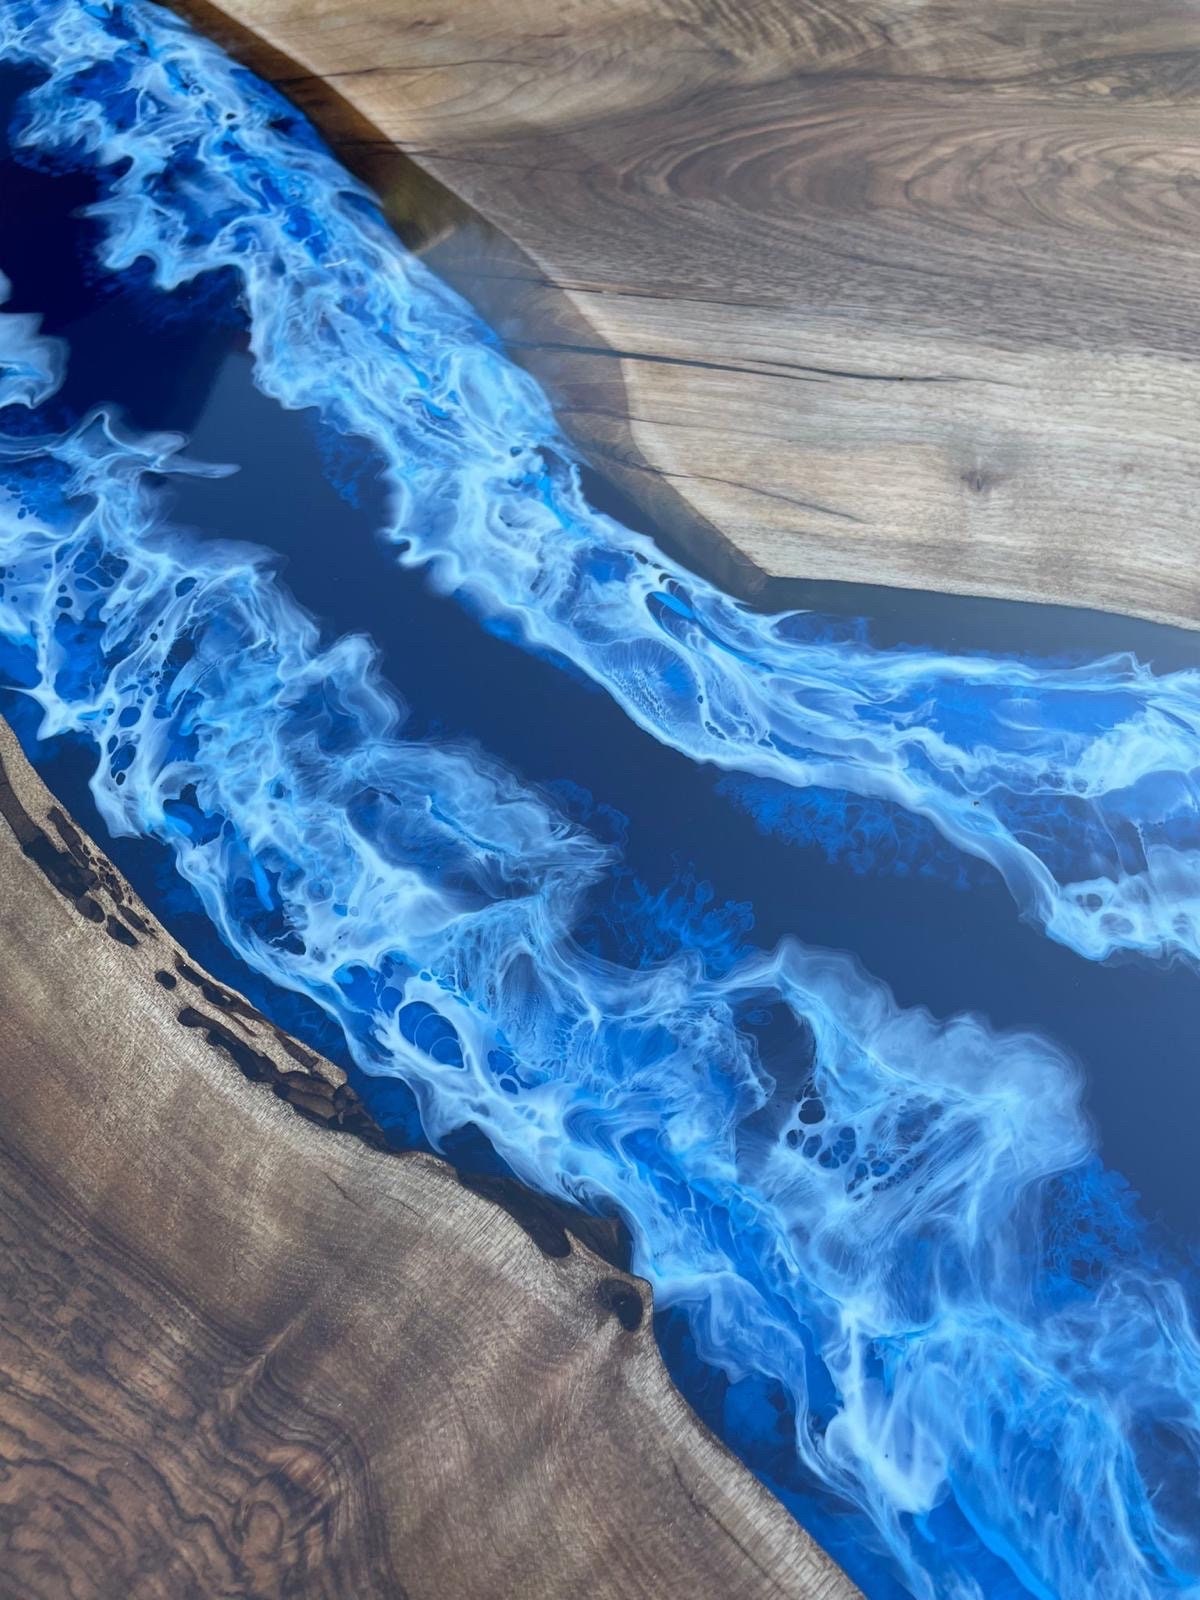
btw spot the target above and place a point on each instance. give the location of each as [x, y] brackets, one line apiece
[890, 291]
[246, 1352]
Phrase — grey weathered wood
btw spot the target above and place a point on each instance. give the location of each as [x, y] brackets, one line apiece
[245, 1352]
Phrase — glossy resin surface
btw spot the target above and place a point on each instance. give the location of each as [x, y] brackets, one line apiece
[851, 964]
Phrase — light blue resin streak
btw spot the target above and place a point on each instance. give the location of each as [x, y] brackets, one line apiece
[1079, 785]
[904, 1229]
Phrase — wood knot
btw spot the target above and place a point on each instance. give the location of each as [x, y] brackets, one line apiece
[623, 1301]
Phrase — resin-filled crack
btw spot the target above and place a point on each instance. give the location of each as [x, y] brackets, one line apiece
[1077, 784]
[426, 900]
[994, 1381]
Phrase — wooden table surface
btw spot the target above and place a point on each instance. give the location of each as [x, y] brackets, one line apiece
[888, 291]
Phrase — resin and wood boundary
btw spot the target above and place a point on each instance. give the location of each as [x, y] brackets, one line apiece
[888, 293]
[244, 1350]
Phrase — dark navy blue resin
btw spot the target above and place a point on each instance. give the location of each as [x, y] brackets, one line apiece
[920, 1219]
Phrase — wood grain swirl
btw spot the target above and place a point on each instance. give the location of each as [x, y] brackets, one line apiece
[246, 1351]
[773, 226]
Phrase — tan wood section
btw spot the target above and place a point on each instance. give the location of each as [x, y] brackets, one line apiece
[887, 291]
[244, 1351]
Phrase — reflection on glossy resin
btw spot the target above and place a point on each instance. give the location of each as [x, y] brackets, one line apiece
[890, 1233]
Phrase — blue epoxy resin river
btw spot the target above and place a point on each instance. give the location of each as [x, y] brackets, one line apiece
[853, 965]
